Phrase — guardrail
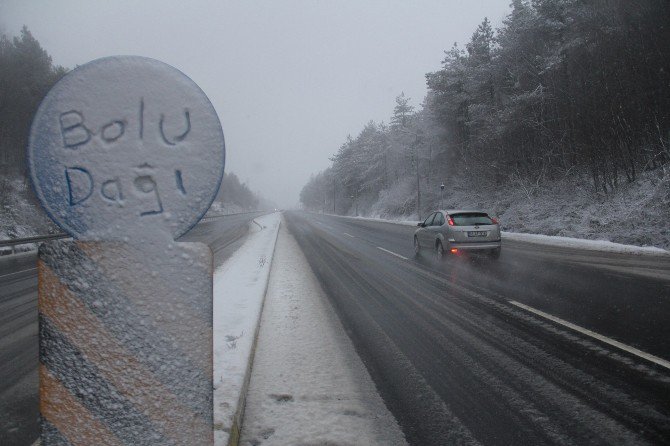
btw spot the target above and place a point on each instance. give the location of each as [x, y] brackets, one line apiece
[211, 217]
[13, 243]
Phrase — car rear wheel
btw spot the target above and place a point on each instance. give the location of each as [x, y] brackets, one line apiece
[417, 247]
[439, 251]
[495, 254]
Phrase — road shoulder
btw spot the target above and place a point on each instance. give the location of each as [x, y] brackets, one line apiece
[239, 290]
[308, 385]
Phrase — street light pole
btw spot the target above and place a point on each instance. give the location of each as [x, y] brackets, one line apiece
[441, 195]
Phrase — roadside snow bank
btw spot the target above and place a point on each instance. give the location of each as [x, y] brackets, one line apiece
[20, 214]
[239, 291]
[383, 220]
[634, 214]
[592, 245]
[308, 385]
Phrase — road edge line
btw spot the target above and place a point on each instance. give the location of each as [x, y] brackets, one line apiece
[585, 331]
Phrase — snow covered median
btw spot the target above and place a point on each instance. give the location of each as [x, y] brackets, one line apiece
[239, 290]
[308, 385]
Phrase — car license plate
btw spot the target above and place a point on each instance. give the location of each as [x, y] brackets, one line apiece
[477, 233]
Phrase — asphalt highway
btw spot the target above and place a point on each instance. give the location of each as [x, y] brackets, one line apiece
[19, 329]
[547, 345]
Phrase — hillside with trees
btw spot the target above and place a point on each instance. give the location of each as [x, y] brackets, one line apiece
[558, 121]
[235, 196]
[26, 75]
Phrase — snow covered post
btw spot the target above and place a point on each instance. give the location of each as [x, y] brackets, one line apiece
[126, 154]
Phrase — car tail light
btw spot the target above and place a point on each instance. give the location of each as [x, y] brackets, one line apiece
[494, 220]
[454, 250]
[450, 220]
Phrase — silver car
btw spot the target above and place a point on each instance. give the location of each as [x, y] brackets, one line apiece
[454, 231]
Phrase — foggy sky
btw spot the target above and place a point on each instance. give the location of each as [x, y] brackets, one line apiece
[289, 79]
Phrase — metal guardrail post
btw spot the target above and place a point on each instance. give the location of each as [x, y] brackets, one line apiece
[126, 154]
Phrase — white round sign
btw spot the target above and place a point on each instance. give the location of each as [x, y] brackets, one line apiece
[125, 145]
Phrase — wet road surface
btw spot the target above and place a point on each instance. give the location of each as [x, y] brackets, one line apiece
[547, 345]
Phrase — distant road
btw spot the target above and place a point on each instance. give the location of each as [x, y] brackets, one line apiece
[18, 326]
[548, 345]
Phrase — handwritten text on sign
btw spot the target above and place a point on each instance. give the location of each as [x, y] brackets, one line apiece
[80, 183]
[123, 142]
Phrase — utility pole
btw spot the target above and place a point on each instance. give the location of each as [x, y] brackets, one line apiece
[355, 200]
[333, 195]
[418, 178]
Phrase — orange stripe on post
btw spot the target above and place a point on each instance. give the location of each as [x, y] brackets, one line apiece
[158, 292]
[116, 365]
[69, 416]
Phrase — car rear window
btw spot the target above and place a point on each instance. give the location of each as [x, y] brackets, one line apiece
[471, 219]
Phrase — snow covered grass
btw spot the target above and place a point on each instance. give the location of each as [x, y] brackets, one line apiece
[20, 214]
[219, 208]
[637, 214]
[592, 245]
[239, 291]
[386, 220]
[308, 385]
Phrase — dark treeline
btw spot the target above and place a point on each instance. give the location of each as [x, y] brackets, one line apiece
[564, 87]
[232, 191]
[26, 75]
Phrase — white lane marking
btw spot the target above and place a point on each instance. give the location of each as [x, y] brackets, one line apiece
[16, 273]
[605, 339]
[348, 235]
[392, 253]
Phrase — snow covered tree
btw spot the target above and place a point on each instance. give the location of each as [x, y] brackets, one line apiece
[26, 75]
[402, 111]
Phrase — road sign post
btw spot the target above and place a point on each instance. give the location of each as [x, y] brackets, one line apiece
[126, 154]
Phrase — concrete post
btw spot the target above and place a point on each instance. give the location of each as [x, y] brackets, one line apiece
[126, 154]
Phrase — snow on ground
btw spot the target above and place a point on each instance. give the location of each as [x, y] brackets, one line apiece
[592, 245]
[385, 220]
[634, 214]
[20, 214]
[239, 291]
[219, 208]
[552, 240]
[308, 385]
